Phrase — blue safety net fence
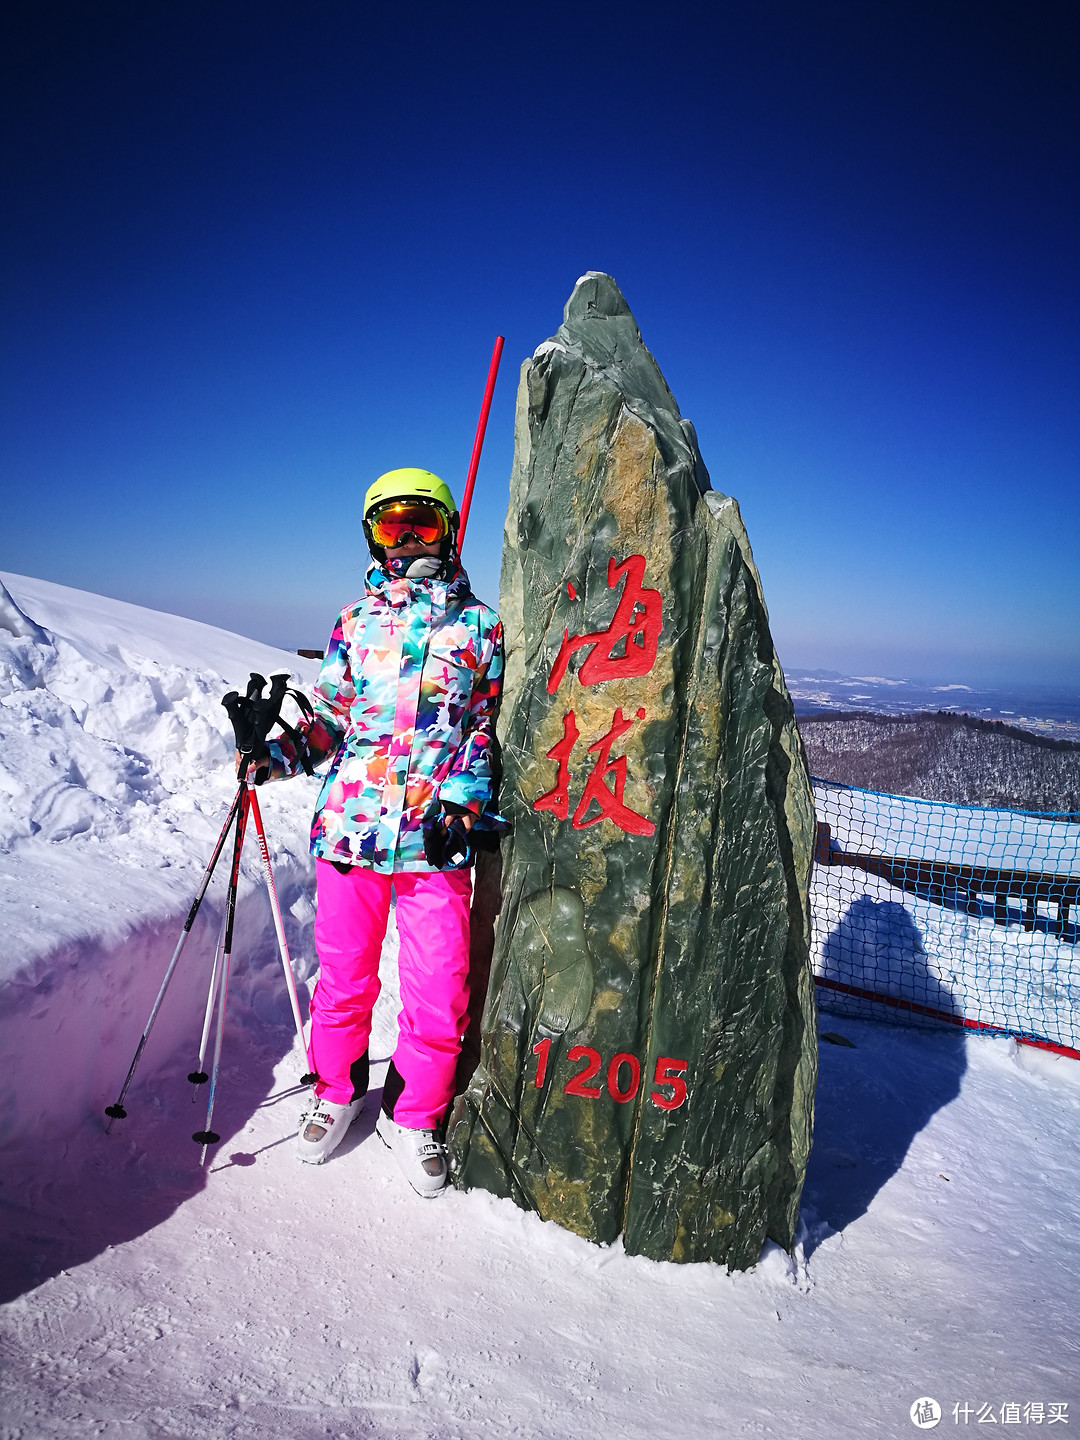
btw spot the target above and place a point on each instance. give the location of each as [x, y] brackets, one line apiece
[930, 914]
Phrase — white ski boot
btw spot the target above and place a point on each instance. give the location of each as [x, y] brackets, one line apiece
[421, 1158]
[322, 1128]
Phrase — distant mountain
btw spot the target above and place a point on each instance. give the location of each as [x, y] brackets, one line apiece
[942, 756]
[1040, 709]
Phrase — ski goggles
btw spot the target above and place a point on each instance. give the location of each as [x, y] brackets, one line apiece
[391, 524]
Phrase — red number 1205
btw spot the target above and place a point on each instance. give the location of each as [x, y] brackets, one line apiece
[623, 1075]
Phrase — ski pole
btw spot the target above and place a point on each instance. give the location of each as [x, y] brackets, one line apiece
[283, 949]
[207, 1136]
[198, 1076]
[117, 1111]
[478, 443]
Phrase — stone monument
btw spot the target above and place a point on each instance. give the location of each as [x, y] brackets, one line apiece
[648, 1046]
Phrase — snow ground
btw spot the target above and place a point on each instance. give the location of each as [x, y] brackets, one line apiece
[939, 1252]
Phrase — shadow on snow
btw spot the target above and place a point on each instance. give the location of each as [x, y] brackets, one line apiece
[68, 1190]
[873, 1098]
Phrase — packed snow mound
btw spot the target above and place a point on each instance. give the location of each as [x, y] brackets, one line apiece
[89, 733]
[115, 778]
[114, 747]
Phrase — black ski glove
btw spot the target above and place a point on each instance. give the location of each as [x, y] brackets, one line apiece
[446, 840]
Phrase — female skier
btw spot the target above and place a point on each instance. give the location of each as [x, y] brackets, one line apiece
[404, 704]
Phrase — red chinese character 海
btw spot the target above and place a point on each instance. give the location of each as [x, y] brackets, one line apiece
[608, 799]
[636, 623]
[557, 799]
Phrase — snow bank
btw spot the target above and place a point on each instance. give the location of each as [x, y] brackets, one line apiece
[934, 830]
[115, 778]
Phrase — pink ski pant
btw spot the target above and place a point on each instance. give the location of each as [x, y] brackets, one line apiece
[433, 972]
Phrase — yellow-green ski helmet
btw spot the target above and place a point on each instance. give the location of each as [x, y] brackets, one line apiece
[412, 484]
[408, 484]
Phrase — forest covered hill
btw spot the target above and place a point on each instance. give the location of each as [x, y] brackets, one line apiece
[945, 756]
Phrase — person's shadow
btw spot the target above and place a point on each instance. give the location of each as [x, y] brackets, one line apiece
[879, 1084]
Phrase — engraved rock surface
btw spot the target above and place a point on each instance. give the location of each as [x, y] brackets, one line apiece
[648, 1053]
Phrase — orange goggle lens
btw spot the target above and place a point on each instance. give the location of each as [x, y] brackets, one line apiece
[392, 524]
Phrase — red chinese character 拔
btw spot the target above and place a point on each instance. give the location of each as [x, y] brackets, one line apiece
[608, 799]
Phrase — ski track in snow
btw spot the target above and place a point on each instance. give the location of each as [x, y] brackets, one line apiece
[939, 1252]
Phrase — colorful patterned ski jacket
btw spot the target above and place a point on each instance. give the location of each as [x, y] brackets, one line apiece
[405, 703]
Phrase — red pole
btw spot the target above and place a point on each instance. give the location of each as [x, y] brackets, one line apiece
[478, 443]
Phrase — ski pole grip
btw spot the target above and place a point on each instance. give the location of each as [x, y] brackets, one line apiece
[244, 712]
[279, 684]
[239, 713]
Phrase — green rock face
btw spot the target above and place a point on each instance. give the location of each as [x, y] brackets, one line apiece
[648, 1051]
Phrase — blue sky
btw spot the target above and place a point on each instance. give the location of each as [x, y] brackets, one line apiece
[254, 254]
